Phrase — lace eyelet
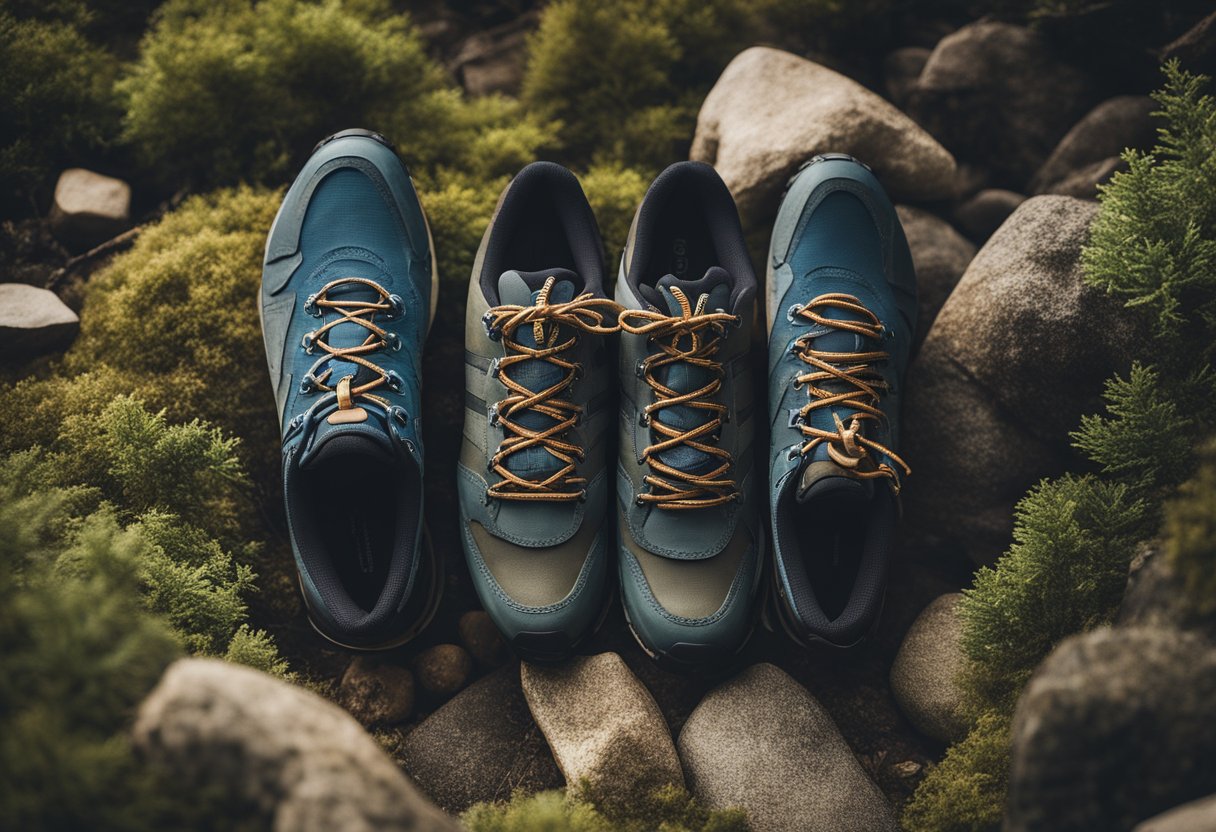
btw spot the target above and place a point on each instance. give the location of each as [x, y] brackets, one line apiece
[393, 340]
[639, 369]
[308, 342]
[394, 381]
[639, 502]
[307, 385]
[310, 306]
[399, 414]
[793, 453]
[494, 420]
[792, 312]
[396, 307]
[495, 368]
[493, 333]
[643, 418]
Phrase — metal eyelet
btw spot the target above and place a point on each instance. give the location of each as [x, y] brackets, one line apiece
[494, 416]
[399, 414]
[495, 368]
[393, 340]
[308, 342]
[638, 501]
[792, 311]
[487, 321]
[394, 381]
[643, 418]
[396, 307]
[310, 306]
[792, 453]
[639, 369]
[307, 385]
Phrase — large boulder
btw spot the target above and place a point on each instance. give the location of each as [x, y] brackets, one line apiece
[997, 95]
[986, 211]
[1196, 816]
[1115, 124]
[770, 111]
[277, 748]
[33, 321]
[924, 674]
[605, 729]
[89, 208]
[1083, 183]
[761, 742]
[493, 60]
[1019, 352]
[900, 69]
[1115, 726]
[1196, 49]
[481, 746]
[940, 255]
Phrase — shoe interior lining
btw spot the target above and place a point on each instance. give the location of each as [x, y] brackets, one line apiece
[831, 536]
[681, 242]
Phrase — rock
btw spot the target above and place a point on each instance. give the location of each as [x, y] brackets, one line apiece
[907, 768]
[375, 693]
[480, 746]
[300, 761]
[1115, 726]
[770, 111]
[443, 669]
[923, 675]
[1156, 595]
[940, 255]
[1196, 49]
[1196, 816]
[761, 742]
[33, 321]
[900, 69]
[1083, 183]
[995, 94]
[984, 213]
[605, 729]
[482, 639]
[493, 60]
[990, 398]
[1115, 124]
[89, 208]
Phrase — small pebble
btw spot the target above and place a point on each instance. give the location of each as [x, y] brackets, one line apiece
[443, 669]
[375, 693]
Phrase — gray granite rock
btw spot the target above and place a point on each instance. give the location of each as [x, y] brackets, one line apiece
[376, 693]
[89, 208]
[482, 639]
[1018, 353]
[493, 60]
[1115, 124]
[770, 111]
[1115, 727]
[33, 321]
[1083, 183]
[482, 745]
[925, 669]
[444, 669]
[1196, 48]
[940, 255]
[761, 742]
[1196, 816]
[299, 761]
[998, 95]
[606, 731]
[985, 212]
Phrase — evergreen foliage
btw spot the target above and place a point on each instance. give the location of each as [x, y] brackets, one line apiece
[670, 809]
[1190, 536]
[966, 790]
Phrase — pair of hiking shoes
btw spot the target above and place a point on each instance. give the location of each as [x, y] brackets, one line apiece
[561, 381]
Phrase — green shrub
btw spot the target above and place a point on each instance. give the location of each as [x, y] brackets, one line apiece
[242, 89]
[615, 192]
[1190, 536]
[670, 809]
[966, 790]
[56, 100]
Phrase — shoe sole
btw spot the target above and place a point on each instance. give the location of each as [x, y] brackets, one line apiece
[434, 595]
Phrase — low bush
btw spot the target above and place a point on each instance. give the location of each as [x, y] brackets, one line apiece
[670, 809]
[1190, 536]
[966, 790]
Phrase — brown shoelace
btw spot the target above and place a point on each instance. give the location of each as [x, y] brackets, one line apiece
[359, 312]
[847, 446]
[691, 338]
[585, 313]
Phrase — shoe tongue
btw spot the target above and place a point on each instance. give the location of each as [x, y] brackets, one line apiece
[825, 480]
[368, 438]
[715, 286]
[516, 288]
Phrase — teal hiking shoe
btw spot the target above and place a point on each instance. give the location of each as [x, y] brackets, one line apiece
[689, 539]
[540, 399]
[841, 315]
[348, 292]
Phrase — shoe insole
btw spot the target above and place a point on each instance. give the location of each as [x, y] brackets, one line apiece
[831, 535]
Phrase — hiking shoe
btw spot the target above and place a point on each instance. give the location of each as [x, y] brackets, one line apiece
[688, 529]
[533, 480]
[841, 314]
[348, 291]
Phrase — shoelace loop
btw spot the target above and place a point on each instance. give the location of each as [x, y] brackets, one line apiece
[360, 312]
[585, 313]
[847, 445]
[692, 338]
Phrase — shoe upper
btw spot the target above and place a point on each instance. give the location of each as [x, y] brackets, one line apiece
[686, 479]
[539, 402]
[841, 315]
[345, 306]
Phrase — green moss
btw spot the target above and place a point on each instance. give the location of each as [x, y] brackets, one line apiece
[670, 809]
[257, 649]
[1190, 536]
[965, 792]
[56, 100]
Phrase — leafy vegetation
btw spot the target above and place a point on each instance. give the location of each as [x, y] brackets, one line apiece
[1190, 536]
[671, 809]
[1152, 243]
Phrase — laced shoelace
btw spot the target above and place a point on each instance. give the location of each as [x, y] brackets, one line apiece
[847, 446]
[692, 338]
[585, 313]
[362, 313]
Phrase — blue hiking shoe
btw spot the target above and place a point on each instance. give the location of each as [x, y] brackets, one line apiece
[841, 315]
[540, 402]
[348, 292]
[689, 537]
